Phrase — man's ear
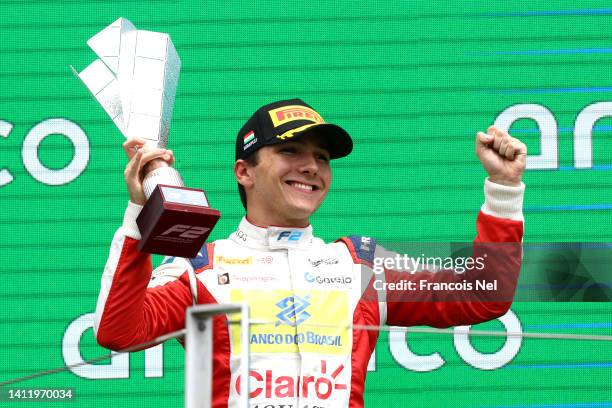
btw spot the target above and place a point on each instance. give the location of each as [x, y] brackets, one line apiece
[242, 173]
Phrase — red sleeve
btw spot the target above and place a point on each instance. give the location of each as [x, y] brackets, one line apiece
[441, 309]
[131, 313]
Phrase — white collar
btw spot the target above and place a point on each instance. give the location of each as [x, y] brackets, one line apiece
[272, 237]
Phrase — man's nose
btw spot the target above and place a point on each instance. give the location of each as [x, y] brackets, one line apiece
[308, 164]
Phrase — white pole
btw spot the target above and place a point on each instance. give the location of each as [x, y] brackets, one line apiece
[198, 353]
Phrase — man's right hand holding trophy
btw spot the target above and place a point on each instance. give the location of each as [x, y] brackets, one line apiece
[142, 160]
[135, 81]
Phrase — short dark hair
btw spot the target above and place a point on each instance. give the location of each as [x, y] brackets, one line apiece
[251, 160]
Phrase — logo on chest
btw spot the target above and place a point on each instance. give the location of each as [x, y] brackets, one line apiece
[311, 321]
[224, 260]
[293, 310]
[328, 280]
[223, 279]
[323, 261]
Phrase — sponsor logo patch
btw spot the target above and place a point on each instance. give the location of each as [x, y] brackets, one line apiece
[249, 136]
[320, 385]
[325, 261]
[289, 236]
[331, 281]
[265, 260]
[365, 243]
[254, 278]
[312, 321]
[223, 279]
[293, 310]
[290, 113]
[234, 261]
[242, 235]
[249, 140]
[290, 133]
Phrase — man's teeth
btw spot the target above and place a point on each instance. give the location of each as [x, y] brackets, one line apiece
[302, 186]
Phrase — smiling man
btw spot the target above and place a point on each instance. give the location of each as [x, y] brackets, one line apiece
[310, 299]
[286, 175]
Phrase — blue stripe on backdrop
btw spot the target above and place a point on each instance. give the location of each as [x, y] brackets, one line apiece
[564, 51]
[579, 12]
[594, 89]
[603, 325]
[564, 129]
[543, 366]
[571, 207]
[577, 405]
[565, 245]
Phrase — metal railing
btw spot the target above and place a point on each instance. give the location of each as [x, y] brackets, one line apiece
[199, 353]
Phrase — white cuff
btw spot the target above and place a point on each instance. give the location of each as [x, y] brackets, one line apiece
[129, 226]
[503, 201]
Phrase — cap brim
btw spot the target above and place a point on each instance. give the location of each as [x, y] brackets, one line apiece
[339, 141]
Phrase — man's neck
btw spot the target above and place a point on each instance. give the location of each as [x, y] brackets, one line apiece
[263, 221]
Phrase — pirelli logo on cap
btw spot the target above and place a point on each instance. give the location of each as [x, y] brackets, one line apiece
[290, 113]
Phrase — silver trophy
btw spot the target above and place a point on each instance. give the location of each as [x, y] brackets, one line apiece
[135, 80]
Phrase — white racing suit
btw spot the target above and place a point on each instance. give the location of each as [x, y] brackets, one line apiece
[304, 296]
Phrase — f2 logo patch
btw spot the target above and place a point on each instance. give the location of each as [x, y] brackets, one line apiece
[289, 236]
[187, 231]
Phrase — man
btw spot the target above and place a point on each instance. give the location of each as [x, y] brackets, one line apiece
[303, 293]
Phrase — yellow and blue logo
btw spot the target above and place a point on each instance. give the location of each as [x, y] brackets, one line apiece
[293, 310]
[286, 322]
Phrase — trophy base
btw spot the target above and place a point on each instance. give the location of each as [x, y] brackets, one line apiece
[175, 221]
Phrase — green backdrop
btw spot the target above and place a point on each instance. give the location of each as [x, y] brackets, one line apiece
[411, 81]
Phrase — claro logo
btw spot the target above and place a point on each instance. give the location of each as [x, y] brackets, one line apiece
[285, 386]
[186, 231]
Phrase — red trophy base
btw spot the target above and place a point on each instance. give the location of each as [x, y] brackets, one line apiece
[175, 221]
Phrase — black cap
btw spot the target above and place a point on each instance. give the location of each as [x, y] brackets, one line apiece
[282, 121]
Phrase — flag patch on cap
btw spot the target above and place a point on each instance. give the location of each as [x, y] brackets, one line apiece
[249, 139]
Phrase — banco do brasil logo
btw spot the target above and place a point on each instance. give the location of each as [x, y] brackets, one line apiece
[293, 310]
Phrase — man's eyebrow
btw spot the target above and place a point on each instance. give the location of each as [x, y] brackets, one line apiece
[325, 150]
[323, 146]
[280, 146]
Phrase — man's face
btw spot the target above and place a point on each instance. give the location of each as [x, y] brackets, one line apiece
[290, 181]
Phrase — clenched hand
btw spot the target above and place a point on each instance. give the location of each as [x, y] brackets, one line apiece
[502, 156]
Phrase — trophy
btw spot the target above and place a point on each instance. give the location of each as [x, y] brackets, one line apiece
[135, 81]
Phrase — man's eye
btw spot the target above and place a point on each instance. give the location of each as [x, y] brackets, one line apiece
[289, 150]
[323, 157]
